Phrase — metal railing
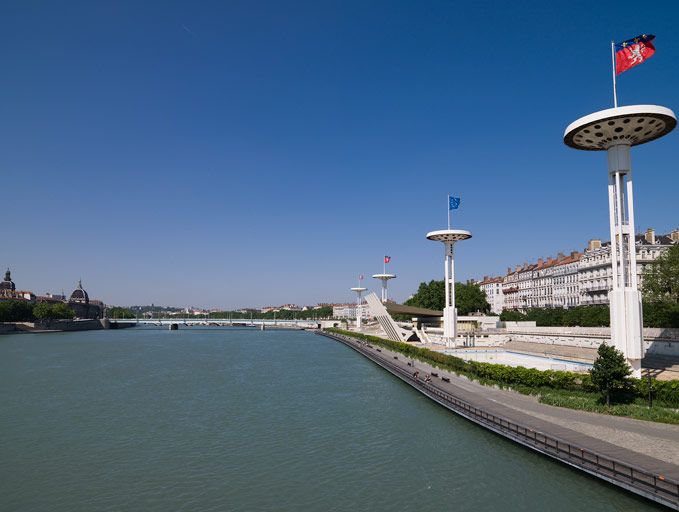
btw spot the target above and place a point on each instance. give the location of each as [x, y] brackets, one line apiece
[656, 487]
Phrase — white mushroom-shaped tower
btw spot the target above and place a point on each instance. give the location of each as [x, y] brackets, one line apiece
[449, 237]
[616, 130]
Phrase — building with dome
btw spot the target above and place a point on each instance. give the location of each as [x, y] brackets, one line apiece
[82, 306]
[8, 290]
[8, 284]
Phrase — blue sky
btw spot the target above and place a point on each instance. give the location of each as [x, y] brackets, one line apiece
[225, 154]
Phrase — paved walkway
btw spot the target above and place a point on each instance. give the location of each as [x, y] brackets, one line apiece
[647, 445]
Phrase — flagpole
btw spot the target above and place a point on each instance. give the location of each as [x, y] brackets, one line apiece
[448, 205]
[615, 93]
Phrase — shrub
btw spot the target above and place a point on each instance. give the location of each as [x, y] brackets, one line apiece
[610, 371]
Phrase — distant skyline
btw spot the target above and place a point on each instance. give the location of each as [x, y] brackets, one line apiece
[237, 154]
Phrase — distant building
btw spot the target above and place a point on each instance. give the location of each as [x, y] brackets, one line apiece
[492, 286]
[51, 298]
[595, 272]
[579, 279]
[348, 310]
[8, 290]
[555, 282]
[8, 284]
[80, 303]
[510, 289]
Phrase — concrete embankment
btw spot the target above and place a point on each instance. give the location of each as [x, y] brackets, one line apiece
[61, 326]
[642, 467]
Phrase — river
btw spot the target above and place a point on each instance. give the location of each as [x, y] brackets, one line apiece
[235, 419]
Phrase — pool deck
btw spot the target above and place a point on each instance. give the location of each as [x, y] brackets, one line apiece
[646, 453]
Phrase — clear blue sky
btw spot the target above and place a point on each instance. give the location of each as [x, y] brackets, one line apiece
[249, 153]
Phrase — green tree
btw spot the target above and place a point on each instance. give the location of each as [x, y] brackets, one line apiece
[47, 311]
[42, 311]
[610, 371]
[119, 312]
[661, 278]
[16, 311]
[429, 295]
[62, 311]
[468, 297]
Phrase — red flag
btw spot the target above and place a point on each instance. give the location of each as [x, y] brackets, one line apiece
[632, 52]
[387, 259]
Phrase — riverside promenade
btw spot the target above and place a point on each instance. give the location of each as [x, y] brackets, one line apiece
[639, 456]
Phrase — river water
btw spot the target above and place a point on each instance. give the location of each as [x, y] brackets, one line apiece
[244, 420]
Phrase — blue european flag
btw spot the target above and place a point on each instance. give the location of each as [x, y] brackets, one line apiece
[454, 202]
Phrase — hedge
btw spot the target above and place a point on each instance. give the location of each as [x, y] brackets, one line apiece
[503, 375]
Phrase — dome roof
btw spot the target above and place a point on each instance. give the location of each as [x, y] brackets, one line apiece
[79, 294]
[7, 284]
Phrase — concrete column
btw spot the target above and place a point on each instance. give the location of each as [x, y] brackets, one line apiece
[625, 298]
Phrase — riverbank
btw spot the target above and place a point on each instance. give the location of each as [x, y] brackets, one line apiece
[639, 456]
[553, 387]
[47, 326]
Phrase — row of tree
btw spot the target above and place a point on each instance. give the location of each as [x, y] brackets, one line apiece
[469, 298]
[283, 314]
[656, 314]
[25, 311]
[583, 316]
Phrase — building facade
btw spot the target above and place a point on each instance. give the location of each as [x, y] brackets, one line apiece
[574, 280]
[348, 311]
[595, 271]
[492, 286]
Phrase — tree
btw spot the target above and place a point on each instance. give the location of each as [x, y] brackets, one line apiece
[468, 297]
[661, 290]
[47, 311]
[62, 311]
[429, 295]
[661, 278]
[610, 371]
[16, 311]
[119, 312]
[42, 311]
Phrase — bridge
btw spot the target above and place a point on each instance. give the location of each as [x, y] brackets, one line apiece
[219, 322]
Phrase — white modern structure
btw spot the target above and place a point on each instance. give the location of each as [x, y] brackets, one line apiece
[384, 277]
[616, 130]
[359, 301]
[391, 329]
[448, 237]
